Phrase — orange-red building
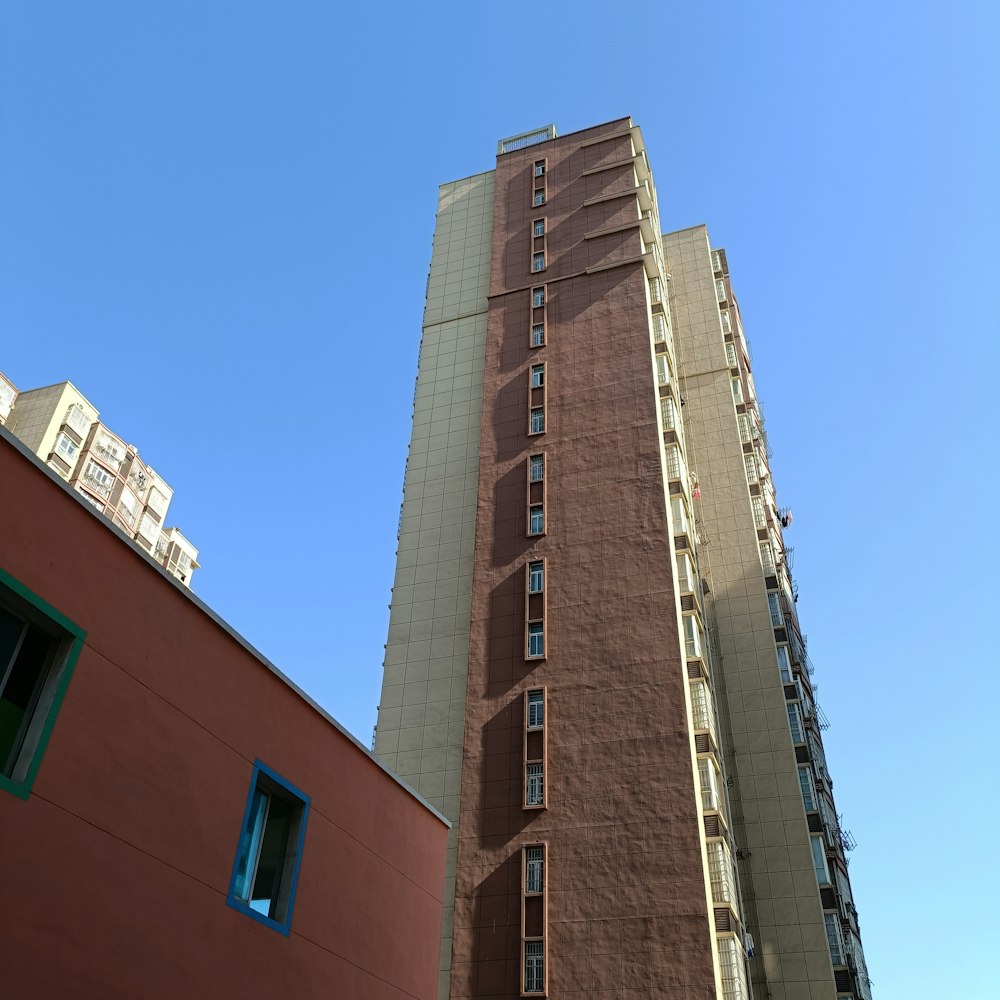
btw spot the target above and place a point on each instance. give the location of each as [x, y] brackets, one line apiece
[177, 819]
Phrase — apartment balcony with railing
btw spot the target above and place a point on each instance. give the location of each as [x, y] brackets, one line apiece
[109, 449]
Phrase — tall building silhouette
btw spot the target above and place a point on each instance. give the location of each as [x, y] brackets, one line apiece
[594, 665]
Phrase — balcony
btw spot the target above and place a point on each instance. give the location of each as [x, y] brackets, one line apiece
[98, 480]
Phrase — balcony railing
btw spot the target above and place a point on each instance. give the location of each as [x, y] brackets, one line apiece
[96, 483]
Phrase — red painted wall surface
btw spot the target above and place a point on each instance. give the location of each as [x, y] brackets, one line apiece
[116, 869]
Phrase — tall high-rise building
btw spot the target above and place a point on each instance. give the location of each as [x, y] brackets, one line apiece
[61, 426]
[594, 665]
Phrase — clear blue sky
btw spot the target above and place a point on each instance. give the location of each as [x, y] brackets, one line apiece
[216, 220]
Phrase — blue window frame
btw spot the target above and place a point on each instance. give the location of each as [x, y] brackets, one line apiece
[39, 648]
[266, 870]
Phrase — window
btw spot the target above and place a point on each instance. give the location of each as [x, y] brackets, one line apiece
[767, 557]
[774, 606]
[795, 723]
[727, 323]
[538, 199]
[784, 665]
[39, 648]
[659, 328]
[750, 464]
[716, 261]
[701, 711]
[536, 640]
[737, 390]
[538, 262]
[678, 515]
[708, 778]
[744, 422]
[537, 419]
[149, 528]
[534, 967]
[819, 860]
[720, 290]
[534, 869]
[692, 637]
[537, 297]
[77, 419]
[537, 334]
[685, 573]
[668, 415]
[66, 447]
[536, 519]
[537, 376]
[270, 850]
[534, 793]
[759, 520]
[536, 468]
[808, 788]
[731, 356]
[536, 709]
[538, 228]
[832, 923]
[98, 479]
[662, 369]
[539, 168]
[536, 577]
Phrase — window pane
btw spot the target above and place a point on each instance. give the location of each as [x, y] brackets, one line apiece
[537, 420]
[536, 639]
[536, 785]
[250, 844]
[537, 335]
[534, 967]
[536, 709]
[539, 228]
[271, 860]
[538, 297]
[536, 578]
[22, 685]
[537, 376]
[537, 468]
[537, 521]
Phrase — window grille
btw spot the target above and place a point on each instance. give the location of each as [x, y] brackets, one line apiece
[537, 334]
[759, 518]
[774, 606]
[537, 468]
[720, 290]
[534, 967]
[538, 297]
[667, 414]
[733, 969]
[534, 869]
[767, 558]
[536, 785]
[720, 867]
[795, 723]
[537, 420]
[808, 789]
[731, 356]
[536, 577]
[538, 262]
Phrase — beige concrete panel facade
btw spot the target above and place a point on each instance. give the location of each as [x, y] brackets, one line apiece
[421, 717]
[779, 883]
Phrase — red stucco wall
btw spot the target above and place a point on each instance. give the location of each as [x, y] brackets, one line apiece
[116, 869]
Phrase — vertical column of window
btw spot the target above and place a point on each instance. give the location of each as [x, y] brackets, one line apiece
[534, 610]
[536, 495]
[538, 245]
[536, 398]
[535, 748]
[537, 333]
[534, 918]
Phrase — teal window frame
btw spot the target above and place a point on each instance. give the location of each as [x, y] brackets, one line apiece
[67, 640]
[265, 785]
